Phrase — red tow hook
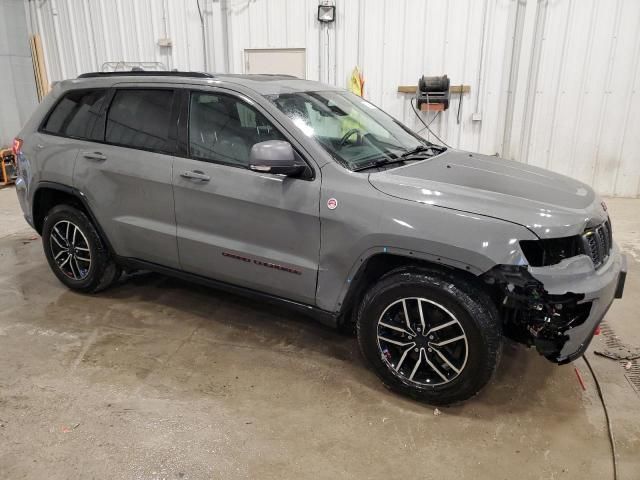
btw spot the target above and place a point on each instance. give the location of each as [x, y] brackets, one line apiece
[597, 330]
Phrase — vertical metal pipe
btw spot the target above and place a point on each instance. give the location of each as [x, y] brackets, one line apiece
[224, 9]
[538, 33]
[74, 42]
[92, 35]
[56, 33]
[204, 34]
[121, 26]
[165, 30]
[482, 42]
[516, 48]
[106, 35]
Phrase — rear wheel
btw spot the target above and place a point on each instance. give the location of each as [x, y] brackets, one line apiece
[75, 252]
[430, 335]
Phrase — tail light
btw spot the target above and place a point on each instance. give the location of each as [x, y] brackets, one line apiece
[17, 146]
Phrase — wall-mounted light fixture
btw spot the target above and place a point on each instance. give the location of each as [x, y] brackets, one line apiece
[326, 13]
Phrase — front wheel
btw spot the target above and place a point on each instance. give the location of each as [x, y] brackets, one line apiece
[430, 335]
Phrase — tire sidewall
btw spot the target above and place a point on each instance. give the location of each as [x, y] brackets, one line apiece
[96, 249]
[461, 305]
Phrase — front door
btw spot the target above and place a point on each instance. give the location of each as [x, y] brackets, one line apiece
[250, 229]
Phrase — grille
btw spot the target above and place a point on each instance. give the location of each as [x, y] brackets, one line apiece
[597, 243]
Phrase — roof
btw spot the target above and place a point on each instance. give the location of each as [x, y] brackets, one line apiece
[262, 84]
[275, 84]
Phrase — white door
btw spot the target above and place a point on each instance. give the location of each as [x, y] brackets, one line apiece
[287, 61]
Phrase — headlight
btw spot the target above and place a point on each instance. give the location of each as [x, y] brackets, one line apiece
[541, 253]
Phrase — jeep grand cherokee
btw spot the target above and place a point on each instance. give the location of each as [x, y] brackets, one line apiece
[302, 193]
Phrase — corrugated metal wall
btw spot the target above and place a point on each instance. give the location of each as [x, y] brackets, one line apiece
[17, 84]
[585, 115]
[553, 82]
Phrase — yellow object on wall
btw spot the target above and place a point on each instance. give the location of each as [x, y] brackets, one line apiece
[356, 82]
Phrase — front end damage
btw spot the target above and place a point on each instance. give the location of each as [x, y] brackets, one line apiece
[556, 309]
[533, 317]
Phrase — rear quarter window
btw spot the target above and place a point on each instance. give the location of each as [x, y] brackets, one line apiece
[77, 115]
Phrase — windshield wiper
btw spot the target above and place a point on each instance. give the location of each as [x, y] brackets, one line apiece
[405, 157]
[420, 149]
[382, 162]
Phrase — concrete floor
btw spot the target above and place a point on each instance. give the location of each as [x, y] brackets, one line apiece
[158, 378]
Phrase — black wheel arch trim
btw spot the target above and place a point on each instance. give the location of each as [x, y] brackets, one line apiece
[74, 192]
[356, 282]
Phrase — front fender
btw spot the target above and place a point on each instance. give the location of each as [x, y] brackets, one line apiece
[368, 222]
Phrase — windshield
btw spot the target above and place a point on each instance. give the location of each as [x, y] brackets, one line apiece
[351, 129]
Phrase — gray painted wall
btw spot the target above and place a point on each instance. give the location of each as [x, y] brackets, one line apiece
[18, 96]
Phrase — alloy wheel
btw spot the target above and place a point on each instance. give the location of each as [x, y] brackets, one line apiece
[422, 341]
[70, 250]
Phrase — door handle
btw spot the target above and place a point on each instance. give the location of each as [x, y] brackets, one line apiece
[196, 175]
[94, 155]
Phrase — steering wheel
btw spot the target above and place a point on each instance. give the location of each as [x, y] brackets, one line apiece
[347, 135]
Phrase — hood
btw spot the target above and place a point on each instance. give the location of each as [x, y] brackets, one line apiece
[549, 204]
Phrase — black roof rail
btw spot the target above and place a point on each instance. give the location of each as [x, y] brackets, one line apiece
[146, 73]
[286, 75]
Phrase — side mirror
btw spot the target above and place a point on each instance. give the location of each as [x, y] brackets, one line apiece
[276, 157]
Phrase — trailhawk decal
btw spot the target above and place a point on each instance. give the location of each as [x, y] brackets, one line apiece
[255, 261]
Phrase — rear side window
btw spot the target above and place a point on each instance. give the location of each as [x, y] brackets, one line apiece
[141, 119]
[78, 115]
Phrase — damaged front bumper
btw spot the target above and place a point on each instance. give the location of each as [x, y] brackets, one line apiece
[558, 308]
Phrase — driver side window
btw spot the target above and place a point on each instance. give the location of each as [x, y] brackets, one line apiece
[223, 129]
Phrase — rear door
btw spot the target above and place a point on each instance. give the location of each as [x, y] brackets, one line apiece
[251, 229]
[75, 122]
[126, 178]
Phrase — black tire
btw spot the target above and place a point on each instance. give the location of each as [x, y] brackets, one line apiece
[88, 277]
[446, 298]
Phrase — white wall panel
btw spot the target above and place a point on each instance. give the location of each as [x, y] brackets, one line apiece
[586, 106]
[17, 84]
[554, 82]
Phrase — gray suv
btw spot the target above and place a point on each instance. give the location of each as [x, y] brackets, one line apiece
[304, 194]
